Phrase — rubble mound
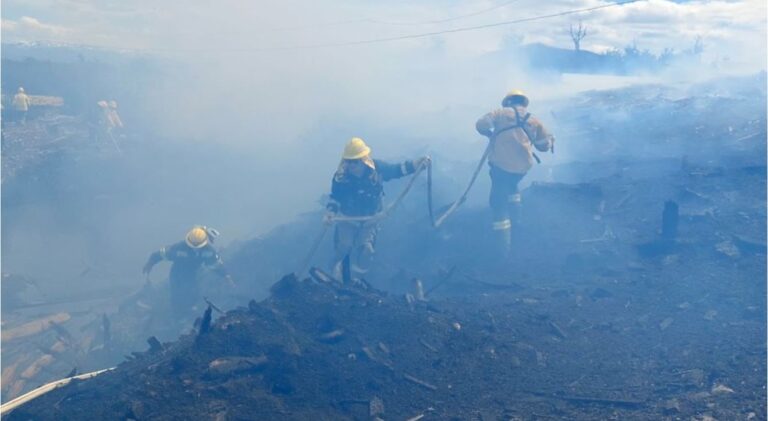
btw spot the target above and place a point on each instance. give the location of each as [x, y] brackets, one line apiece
[316, 349]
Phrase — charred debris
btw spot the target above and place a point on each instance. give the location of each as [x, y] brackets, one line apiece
[637, 291]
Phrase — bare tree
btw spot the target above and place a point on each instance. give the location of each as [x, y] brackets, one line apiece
[578, 35]
[698, 46]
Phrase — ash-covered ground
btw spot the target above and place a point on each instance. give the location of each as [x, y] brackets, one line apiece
[597, 315]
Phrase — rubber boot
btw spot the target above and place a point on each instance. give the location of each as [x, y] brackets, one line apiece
[515, 208]
[503, 233]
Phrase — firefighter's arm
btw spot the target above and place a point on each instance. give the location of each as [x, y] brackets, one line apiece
[391, 171]
[410, 167]
[543, 140]
[154, 259]
[484, 125]
[217, 266]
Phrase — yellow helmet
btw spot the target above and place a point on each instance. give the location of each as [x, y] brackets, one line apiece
[197, 238]
[514, 97]
[356, 149]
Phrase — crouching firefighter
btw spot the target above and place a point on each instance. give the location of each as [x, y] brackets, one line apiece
[357, 191]
[188, 257]
[513, 133]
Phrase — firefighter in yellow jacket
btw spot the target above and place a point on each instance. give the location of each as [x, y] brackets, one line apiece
[513, 134]
[21, 105]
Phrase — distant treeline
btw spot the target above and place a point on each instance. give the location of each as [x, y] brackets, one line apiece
[627, 61]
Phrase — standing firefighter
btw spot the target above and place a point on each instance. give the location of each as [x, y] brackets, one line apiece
[114, 118]
[513, 133]
[21, 105]
[188, 257]
[357, 192]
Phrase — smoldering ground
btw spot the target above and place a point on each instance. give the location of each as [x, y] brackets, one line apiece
[245, 141]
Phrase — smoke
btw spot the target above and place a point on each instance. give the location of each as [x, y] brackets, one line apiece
[241, 131]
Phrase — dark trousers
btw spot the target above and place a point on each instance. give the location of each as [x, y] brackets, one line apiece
[185, 294]
[505, 197]
[356, 240]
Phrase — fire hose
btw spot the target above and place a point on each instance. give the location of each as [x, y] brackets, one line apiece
[42, 390]
[364, 219]
[436, 222]
[392, 206]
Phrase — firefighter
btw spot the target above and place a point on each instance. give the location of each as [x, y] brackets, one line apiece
[188, 257]
[106, 124]
[21, 105]
[115, 123]
[513, 134]
[357, 190]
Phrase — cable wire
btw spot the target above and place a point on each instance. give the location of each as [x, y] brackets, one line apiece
[376, 40]
[385, 22]
[433, 33]
[431, 22]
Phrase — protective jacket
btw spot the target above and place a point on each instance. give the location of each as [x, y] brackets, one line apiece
[187, 261]
[363, 196]
[114, 119]
[514, 131]
[21, 102]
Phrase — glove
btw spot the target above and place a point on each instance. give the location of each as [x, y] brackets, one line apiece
[328, 218]
[332, 206]
[425, 160]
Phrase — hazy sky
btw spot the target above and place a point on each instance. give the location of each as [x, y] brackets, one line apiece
[732, 30]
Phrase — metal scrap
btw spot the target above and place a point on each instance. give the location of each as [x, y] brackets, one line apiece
[557, 330]
[228, 365]
[421, 383]
[373, 357]
[426, 345]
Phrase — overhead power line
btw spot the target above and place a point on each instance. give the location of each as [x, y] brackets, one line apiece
[380, 40]
[431, 22]
[387, 22]
[429, 34]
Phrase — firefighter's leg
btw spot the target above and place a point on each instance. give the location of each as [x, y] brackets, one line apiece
[502, 229]
[499, 201]
[365, 248]
[514, 199]
[343, 242]
[183, 295]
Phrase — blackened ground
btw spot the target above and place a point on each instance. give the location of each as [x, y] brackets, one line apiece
[595, 315]
[320, 351]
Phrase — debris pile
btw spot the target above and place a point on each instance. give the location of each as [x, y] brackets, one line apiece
[636, 291]
[31, 147]
[319, 350]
